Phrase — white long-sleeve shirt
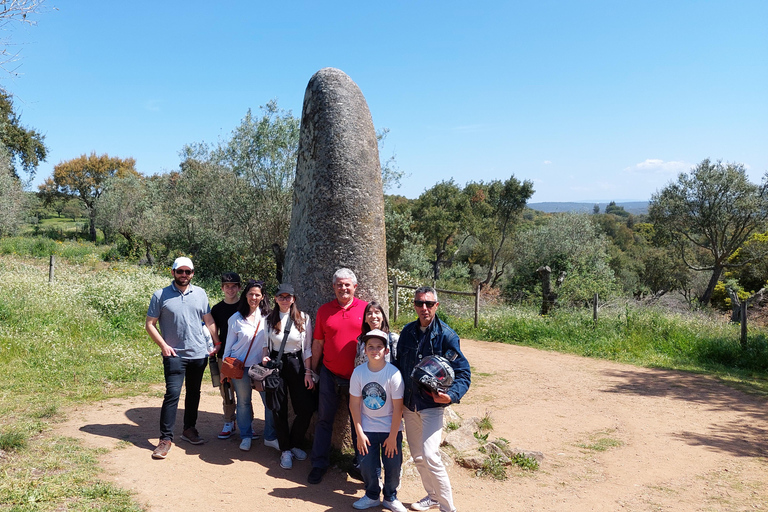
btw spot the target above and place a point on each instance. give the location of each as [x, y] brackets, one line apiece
[239, 338]
[296, 340]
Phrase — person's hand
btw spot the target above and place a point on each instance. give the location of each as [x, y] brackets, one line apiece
[362, 444]
[308, 382]
[168, 351]
[215, 350]
[390, 446]
[441, 398]
[265, 360]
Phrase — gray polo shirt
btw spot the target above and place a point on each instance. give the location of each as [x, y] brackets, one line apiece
[180, 316]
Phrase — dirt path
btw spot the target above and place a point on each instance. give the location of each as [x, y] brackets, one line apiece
[685, 442]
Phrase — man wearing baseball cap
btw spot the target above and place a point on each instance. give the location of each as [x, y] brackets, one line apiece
[178, 309]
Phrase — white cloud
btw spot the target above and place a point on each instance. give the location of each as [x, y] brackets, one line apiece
[657, 166]
[547, 162]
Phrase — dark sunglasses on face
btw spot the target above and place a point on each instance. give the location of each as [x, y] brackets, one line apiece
[429, 303]
[184, 271]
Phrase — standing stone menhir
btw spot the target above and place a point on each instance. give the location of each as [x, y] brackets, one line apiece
[337, 218]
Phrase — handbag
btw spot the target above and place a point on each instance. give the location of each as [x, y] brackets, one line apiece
[273, 383]
[232, 367]
[257, 374]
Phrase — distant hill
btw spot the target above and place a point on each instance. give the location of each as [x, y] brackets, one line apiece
[633, 207]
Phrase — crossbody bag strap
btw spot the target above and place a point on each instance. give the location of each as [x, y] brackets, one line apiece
[288, 325]
[254, 337]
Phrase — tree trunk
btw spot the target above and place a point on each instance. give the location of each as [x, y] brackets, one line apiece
[548, 294]
[92, 217]
[707, 296]
[279, 253]
[735, 304]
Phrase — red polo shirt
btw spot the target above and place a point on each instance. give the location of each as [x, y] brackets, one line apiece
[339, 328]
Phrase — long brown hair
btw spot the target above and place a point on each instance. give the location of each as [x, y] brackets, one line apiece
[273, 320]
[384, 322]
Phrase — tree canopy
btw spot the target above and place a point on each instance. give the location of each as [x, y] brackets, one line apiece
[709, 213]
[25, 146]
[85, 178]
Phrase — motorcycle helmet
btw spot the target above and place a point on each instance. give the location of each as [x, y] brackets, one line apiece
[433, 374]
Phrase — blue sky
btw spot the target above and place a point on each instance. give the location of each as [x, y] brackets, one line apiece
[591, 100]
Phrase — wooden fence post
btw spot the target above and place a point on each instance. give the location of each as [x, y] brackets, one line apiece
[594, 309]
[477, 304]
[394, 290]
[744, 324]
[51, 264]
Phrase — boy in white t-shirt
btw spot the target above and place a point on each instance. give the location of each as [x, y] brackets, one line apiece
[376, 404]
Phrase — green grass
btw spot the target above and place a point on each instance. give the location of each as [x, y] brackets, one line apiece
[485, 423]
[649, 338]
[83, 337]
[601, 441]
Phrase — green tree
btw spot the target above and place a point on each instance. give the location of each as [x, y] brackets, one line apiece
[441, 215]
[615, 209]
[496, 208]
[85, 177]
[25, 146]
[11, 198]
[133, 207]
[568, 243]
[709, 213]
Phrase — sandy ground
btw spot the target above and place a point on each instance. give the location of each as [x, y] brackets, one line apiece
[685, 442]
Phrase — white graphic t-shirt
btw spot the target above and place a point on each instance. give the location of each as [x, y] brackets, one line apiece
[377, 390]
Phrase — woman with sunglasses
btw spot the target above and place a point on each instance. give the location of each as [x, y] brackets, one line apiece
[374, 317]
[295, 372]
[244, 341]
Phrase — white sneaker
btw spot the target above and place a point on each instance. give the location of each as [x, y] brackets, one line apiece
[227, 430]
[245, 444]
[299, 454]
[394, 505]
[365, 502]
[425, 503]
[272, 443]
[286, 460]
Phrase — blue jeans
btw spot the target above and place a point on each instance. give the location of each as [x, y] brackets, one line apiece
[244, 408]
[371, 463]
[270, 433]
[331, 387]
[175, 370]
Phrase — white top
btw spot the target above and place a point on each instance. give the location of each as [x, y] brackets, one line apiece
[297, 341]
[239, 338]
[377, 390]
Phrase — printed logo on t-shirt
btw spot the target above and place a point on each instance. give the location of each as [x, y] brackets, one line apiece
[374, 396]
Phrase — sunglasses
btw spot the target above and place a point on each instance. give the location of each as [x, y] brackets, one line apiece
[184, 271]
[429, 303]
[283, 298]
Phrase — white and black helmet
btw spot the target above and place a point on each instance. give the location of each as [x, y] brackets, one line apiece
[433, 373]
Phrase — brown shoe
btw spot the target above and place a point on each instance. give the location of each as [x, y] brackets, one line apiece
[191, 436]
[162, 449]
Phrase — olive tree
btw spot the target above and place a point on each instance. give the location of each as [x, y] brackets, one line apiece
[709, 213]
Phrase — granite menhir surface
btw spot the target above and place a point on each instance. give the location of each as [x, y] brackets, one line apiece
[337, 218]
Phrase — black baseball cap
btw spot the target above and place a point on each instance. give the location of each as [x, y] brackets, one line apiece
[230, 277]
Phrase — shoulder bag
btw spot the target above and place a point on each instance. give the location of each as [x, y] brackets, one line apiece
[232, 367]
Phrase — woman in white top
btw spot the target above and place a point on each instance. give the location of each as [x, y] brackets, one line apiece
[294, 371]
[244, 343]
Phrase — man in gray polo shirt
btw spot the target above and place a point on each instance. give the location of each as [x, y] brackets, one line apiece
[179, 308]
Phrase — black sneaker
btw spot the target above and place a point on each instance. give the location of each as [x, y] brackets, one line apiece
[316, 475]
